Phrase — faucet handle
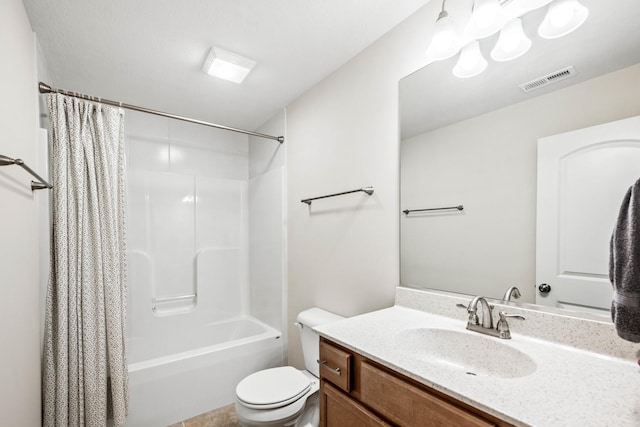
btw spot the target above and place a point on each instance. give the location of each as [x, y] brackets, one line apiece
[504, 315]
[503, 327]
[473, 316]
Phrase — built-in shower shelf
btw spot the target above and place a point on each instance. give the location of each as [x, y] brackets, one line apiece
[165, 306]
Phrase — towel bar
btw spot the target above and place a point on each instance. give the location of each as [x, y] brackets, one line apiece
[41, 184]
[368, 190]
[408, 211]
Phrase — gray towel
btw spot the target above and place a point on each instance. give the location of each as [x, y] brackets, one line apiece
[624, 267]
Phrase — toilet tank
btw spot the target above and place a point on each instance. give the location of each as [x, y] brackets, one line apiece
[307, 320]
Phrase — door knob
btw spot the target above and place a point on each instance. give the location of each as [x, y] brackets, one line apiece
[544, 288]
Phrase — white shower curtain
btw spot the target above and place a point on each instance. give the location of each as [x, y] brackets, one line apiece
[84, 362]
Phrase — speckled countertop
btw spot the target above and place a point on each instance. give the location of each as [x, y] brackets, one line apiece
[555, 384]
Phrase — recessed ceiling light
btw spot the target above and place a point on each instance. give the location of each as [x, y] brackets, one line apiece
[227, 65]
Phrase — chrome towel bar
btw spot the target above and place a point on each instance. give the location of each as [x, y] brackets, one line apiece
[368, 190]
[41, 184]
[408, 211]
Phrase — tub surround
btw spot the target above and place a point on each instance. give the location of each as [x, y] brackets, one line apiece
[583, 372]
[206, 247]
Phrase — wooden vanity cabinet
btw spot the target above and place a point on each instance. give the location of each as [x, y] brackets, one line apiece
[356, 391]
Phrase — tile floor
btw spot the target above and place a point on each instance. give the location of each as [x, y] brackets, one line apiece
[221, 417]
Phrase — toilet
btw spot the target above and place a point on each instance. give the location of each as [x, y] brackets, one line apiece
[286, 396]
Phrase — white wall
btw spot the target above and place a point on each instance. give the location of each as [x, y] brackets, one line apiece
[488, 163]
[341, 135]
[19, 305]
[42, 152]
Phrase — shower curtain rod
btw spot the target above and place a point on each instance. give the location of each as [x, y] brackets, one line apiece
[45, 88]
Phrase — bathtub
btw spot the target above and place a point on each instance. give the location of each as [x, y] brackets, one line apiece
[185, 374]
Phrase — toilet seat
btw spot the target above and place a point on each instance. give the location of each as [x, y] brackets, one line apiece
[282, 413]
[283, 396]
[272, 388]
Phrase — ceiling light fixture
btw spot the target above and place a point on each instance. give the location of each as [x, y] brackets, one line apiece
[444, 43]
[490, 16]
[471, 62]
[486, 19]
[563, 17]
[227, 65]
[512, 42]
[530, 5]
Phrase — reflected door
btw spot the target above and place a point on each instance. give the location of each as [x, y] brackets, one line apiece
[582, 178]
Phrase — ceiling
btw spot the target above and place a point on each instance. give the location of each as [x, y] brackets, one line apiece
[150, 52]
[609, 40]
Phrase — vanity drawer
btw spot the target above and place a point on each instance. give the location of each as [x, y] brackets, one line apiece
[407, 405]
[335, 366]
[339, 410]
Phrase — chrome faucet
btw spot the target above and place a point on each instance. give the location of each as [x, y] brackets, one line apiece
[511, 292]
[486, 326]
[487, 313]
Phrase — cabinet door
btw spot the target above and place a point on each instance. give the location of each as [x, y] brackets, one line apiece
[340, 410]
[407, 405]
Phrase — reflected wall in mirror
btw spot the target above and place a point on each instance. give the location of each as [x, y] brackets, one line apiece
[473, 142]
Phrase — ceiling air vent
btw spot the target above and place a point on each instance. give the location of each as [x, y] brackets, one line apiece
[550, 78]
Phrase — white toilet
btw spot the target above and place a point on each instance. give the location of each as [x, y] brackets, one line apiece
[286, 396]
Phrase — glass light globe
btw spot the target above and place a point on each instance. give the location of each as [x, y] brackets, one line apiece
[512, 42]
[471, 62]
[563, 17]
[444, 43]
[486, 19]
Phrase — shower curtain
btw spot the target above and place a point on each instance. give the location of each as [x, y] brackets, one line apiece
[84, 363]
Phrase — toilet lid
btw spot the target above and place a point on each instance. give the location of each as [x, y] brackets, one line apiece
[273, 388]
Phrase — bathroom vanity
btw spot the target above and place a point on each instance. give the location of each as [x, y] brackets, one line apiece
[415, 364]
[352, 383]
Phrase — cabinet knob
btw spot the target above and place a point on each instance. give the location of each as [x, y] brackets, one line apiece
[544, 288]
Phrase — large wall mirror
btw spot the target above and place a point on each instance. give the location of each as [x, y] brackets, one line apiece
[474, 142]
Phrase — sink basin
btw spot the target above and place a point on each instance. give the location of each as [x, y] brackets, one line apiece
[469, 352]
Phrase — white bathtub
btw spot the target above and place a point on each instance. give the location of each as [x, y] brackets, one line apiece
[172, 378]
